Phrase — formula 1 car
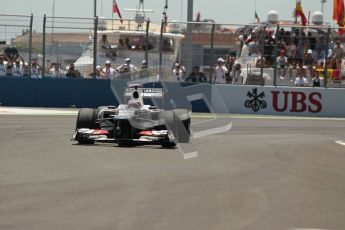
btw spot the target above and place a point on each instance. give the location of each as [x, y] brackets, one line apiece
[134, 123]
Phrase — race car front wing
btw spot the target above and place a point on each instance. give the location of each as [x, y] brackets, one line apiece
[144, 137]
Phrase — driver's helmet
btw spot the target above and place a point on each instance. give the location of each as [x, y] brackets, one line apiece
[135, 102]
[135, 94]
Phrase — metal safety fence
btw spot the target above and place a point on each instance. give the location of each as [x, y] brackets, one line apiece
[252, 54]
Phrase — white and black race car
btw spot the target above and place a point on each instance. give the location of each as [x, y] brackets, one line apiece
[134, 123]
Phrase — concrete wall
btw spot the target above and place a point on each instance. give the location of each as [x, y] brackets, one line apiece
[55, 92]
[219, 98]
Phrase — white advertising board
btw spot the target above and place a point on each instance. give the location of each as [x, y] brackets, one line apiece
[283, 100]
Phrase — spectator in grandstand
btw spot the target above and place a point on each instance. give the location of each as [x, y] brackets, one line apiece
[236, 73]
[106, 48]
[281, 45]
[239, 44]
[220, 71]
[55, 71]
[196, 76]
[36, 69]
[291, 51]
[316, 80]
[72, 72]
[301, 80]
[177, 72]
[2, 65]
[302, 46]
[288, 37]
[321, 47]
[128, 44]
[26, 70]
[261, 63]
[312, 41]
[291, 70]
[269, 44]
[281, 34]
[296, 36]
[331, 63]
[338, 54]
[252, 44]
[320, 64]
[229, 63]
[109, 72]
[282, 64]
[124, 71]
[309, 61]
[121, 44]
[256, 53]
[9, 69]
[18, 68]
[99, 73]
[183, 68]
[11, 54]
[127, 67]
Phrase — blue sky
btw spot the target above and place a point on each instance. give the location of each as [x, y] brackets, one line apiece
[223, 11]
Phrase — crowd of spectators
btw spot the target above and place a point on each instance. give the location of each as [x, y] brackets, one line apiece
[297, 54]
[12, 64]
[298, 57]
[15, 66]
[225, 71]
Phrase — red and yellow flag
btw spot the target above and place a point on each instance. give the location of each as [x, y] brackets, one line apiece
[299, 13]
[339, 14]
[338, 7]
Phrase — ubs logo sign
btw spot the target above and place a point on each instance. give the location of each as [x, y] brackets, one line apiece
[285, 101]
[296, 101]
[255, 101]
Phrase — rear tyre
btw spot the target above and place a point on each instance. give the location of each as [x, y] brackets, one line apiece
[178, 121]
[86, 119]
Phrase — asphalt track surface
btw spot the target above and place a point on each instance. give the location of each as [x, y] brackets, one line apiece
[266, 174]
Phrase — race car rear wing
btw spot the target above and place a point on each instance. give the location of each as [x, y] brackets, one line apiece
[145, 92]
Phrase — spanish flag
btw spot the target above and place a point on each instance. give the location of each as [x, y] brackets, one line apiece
[339, 14]
[299, 13]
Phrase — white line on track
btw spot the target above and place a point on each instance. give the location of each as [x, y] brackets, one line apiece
[340, 142]
[270, 117]
[71, 112]
[309, 229]
[36, 111]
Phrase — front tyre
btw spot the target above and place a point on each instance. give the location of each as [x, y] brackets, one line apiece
[169, 145]
[86, 119]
